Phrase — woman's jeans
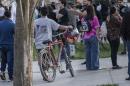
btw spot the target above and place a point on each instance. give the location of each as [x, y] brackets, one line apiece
[92, 53]
[128, 47]
[114, 45]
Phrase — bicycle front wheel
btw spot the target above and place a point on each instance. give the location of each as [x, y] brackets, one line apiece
[47, 68]
[68, 64]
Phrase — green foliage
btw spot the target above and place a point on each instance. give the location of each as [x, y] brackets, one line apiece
[80, 51]
[104, 50]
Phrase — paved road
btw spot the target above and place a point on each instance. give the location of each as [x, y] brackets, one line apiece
[83, 77]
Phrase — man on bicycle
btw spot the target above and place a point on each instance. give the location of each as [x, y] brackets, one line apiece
[44, 27]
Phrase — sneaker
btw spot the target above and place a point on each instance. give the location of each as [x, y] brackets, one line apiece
[9, 80]
[116, 67]
[128, 78]
[2, 76]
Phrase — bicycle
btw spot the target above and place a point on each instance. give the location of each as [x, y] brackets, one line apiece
[48, 62]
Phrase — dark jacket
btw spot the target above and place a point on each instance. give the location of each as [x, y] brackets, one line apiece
[125, 29]
[6, 32]
[64, 20]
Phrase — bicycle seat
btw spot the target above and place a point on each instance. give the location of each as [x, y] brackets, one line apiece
[46, 42]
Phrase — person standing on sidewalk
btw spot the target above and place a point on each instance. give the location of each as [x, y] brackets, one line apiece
[6, 45]
[123, 10]
[85, 4]
[91, 22]
[114, 21]
[63, 19]
[91, 40]
[125, 31]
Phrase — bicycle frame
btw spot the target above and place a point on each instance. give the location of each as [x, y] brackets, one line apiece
[50, 47]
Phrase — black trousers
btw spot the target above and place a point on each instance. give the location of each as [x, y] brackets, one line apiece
[7, 56]
[114, 45]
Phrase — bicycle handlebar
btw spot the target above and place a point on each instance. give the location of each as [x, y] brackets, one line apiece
[59, 34]
[67, 30]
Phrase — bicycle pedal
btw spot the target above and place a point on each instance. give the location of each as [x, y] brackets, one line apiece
[62, 71]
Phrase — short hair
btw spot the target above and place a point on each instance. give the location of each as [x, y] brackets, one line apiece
[112, 10]
[7, 14]
[53, 5]
[44, 11]
[1, 5]
[63, 2]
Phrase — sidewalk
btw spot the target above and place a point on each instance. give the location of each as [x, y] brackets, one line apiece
[83, 77]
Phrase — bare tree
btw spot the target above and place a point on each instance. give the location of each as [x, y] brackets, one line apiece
[23, 43]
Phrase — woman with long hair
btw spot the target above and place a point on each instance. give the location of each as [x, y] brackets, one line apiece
[91, 39]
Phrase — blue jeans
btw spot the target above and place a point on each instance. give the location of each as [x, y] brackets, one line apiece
[128, 47]
[92, 53]
[7, 56]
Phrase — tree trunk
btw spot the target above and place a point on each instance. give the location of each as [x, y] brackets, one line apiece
[23, 43]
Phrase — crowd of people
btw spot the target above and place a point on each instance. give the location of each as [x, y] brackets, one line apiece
[86, 17]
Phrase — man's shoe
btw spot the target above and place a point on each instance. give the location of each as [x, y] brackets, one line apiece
[123, 53]
[83, 63]
[128, 78]
[2, 76]
[116, 67]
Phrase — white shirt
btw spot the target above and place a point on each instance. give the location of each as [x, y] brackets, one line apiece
[43, 30]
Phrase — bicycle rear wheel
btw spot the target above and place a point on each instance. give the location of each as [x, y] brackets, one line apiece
[68, 64]
[47, 68]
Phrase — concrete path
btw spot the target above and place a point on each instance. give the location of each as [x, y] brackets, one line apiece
[83, 77]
